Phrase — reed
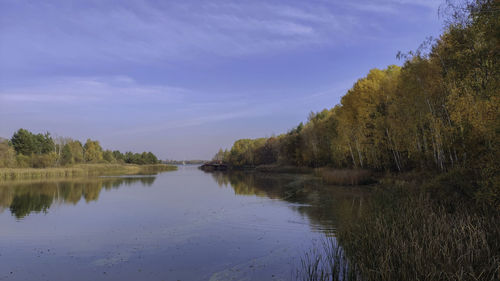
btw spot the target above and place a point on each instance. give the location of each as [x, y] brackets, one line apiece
[412, 238]
[326, 262]
[345, 176]
[285, 169]
[82, 170]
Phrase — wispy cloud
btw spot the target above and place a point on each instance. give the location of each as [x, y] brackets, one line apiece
[394, 8]
[139, 68]
[431, 4]
[184, 122]
[145, 31]
[84, 90]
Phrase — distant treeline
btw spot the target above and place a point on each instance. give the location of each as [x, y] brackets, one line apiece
[438, 112]
[26, 149]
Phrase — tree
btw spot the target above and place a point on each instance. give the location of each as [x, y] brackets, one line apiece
[44, 143]
[24, 142]
[150, 158]
[118, 156]
[107, 155]
[439, 112]
[72, 153]
[219, 156]
[92, 151]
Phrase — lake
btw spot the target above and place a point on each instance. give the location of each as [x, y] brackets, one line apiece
[181, 225]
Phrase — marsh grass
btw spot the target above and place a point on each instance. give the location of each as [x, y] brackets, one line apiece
[285, 169]
[327, 262]
[345, 176]
[411, 237]
[82, 170]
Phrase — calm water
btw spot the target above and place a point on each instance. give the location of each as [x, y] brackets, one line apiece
[182, 225]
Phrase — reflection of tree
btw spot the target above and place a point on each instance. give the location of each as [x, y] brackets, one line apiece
[325, 206]
[23, 198]
[220, 178]
[24, 204]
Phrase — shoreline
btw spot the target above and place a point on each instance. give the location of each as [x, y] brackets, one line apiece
[329, 175]
[82, 170]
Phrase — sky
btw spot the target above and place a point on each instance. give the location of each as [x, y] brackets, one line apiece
[185, 78]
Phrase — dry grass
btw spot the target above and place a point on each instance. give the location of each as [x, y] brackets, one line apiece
[345, 176]
[82, 170]
[272, 168]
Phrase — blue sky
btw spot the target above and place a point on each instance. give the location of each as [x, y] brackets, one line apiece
[183, 78]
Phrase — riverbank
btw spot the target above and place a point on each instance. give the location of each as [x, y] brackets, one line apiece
[413, 227]
[410, 226]
[327, 174]
[83, 170]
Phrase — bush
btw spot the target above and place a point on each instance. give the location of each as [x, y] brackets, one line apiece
[44, 160]
[23, 161]
[7, 155]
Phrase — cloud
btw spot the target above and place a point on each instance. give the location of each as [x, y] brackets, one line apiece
[88, 90]
[93, 68]
[147, 31]
[395, 7]
[183, 122]
[431, 4]
[144, 32]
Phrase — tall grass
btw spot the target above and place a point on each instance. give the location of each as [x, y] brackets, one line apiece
[345, 176]
[413, 238]
[327, 262]
[273, 168]
[82, 170]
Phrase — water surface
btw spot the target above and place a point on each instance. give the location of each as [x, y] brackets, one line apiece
[181, 225]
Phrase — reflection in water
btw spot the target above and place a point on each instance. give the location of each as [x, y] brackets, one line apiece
[188, 225]
[326, 206]
[23, 198]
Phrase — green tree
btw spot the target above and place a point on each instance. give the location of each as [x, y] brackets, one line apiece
[118, 156]
[150, 158]
[24, 142]
[108, 156]
[44, 143]
[72, 153]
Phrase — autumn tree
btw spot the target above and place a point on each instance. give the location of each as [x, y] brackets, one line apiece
[92, 151]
